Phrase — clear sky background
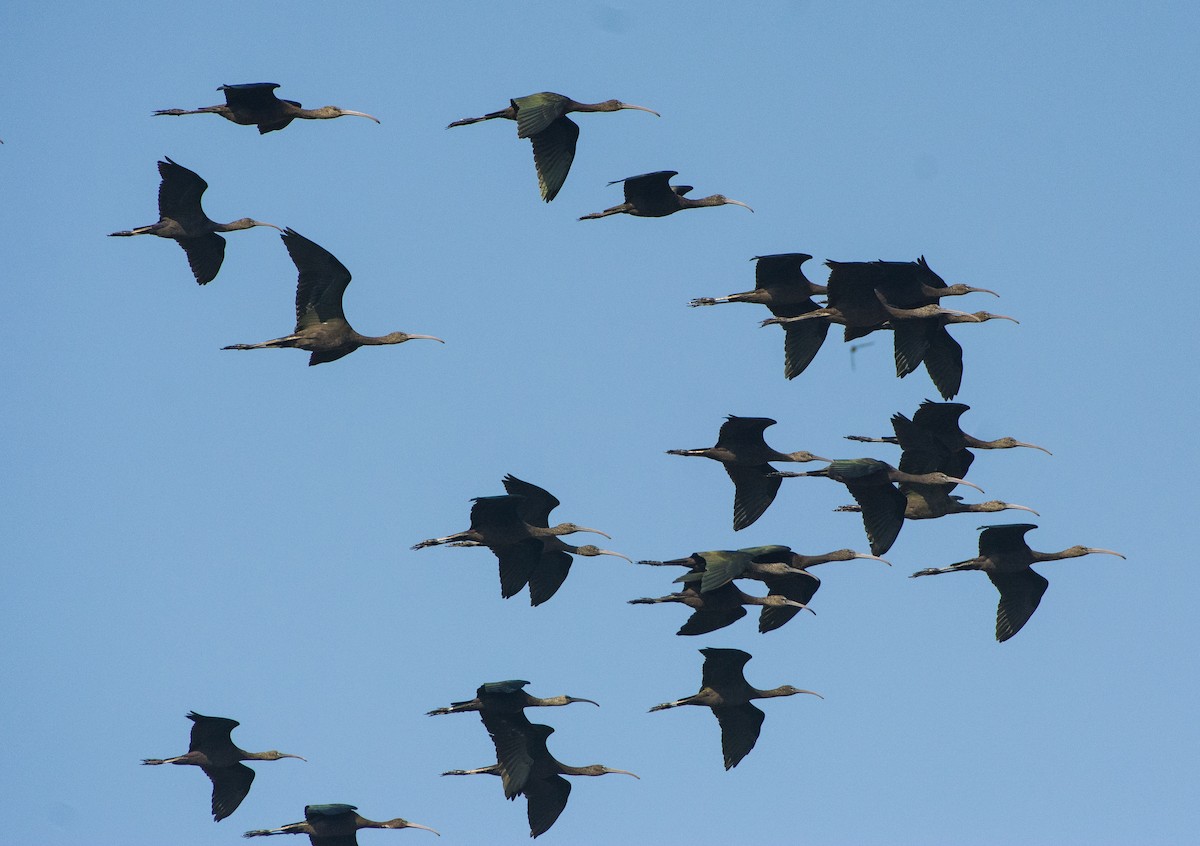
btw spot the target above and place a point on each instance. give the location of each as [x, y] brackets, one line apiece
[229, 532]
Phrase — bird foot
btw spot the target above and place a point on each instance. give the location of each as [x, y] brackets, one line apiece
[702, 301]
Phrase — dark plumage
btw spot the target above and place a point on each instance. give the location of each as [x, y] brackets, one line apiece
[182, 219]
[255, 104]
[321, 325]
[651, 195]
[212, 749]
[334, 825]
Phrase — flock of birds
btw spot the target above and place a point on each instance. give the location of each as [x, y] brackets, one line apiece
[903, 297]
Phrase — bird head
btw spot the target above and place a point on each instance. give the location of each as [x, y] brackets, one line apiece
[401, 337]
[327, 112]
[590, 551]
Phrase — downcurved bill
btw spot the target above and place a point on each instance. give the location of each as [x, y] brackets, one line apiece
[1095, 549]
[737, 203]
[372, 117]
[617, 554]
[426, 338]
[874, 557]
[413, 824]
[640, 109]
[965, 482]
[1033, 446]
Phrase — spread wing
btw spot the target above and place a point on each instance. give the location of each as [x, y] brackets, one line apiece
[1020, 594]
[322, 281]
[205, 255]
[553, 153]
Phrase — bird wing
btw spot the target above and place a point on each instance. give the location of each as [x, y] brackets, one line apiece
[546, 798]
[740, 727]
[536, 112]
[736, 431]
[754, 490]
[179, 193]
[723, 667]
[517, 564]
[713, 615]
[1020, 593]
[324, 356]
[1004, 540]
[721, 567]
[321, 282]
[882, 513]
[797, 587]
[944, 362]
[205, 255]
[553, 153]
[251, 96]
[230, 786]
[548, 574]
[942, 419]
[801, 343]
[781, 269]
[640, 188]
[538, 504]
[510, 735]
[910, 340]
[210, 733]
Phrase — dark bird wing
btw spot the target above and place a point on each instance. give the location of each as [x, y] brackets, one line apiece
[740, 727]
[1020, 593]
[723, 667]
[179, 194]
[721, 608]
[754, 490]
[740, 431]
[230, 786]
[649, 190]
[553, 153]
[323, 356]
[251, 96]
[320, 285]
[1004, 539]
[205, 255]
[509, 733]
[801, 341]
[547, 798]
[882, 513]
[536, 112]
[910, 340]
[538, 502]
[517, 564]
[211, 734]
[722, 566]
[944, 362]
[548, 574]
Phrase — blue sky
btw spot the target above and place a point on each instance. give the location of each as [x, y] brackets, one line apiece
[229, 532]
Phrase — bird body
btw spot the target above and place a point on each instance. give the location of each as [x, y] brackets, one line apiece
[743, 450]
[182, 219]
[717, 608]
[212, 749]
[1006, 558]
[334, 825]
[651, 195]
[321, 325]
[255, 104]
[725, 690]
[506, 697]
[542, 118]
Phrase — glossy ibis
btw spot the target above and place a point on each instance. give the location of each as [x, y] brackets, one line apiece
[717, 608]
[1006, 558]
[933, 435]
[321, 325]
[182, 219]
[523, 746]
[780, 285]
[870, 482]
[725, 690]
[255, 104]
[506, 697]
[334, 825]
[542, 118]
[212, 749]
[651, 195]
[743, 451]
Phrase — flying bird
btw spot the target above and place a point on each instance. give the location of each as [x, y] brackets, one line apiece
[182, 219]
[212, 749]
[321, 325]
[506, 697]
[651, 195]
[1006, 558]
[542, 118]
[255, 104]
[725, 690]
[334, 825]
[781, 286]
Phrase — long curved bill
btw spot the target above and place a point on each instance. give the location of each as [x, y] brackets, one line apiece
[737, 203]
[965, 482]
[617, 554]
[1093, 549]
[418, 825]
[594, 532]
[872, 557]
[1033, 446]
[426, 338]
[640, 109]
[371, 117]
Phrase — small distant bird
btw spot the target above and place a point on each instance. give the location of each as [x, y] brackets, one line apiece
[334, 825]
[725, 690]
[213, 751]
[506, 697]
[542, 118]
[651, 195]
[1006, 558]
[182, 219]
[321, 325]
[255, 104]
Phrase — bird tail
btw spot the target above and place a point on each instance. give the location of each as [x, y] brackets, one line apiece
[489, 116]
[141, 230]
